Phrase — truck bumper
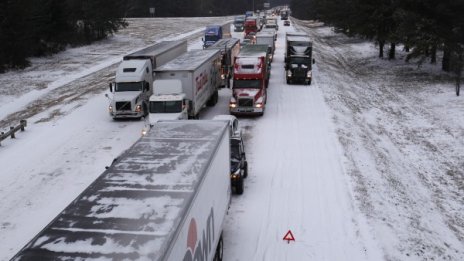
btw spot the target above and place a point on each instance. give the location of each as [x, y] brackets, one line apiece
[126, 115]
[246, 111]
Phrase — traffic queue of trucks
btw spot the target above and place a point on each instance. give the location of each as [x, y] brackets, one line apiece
[166, 197]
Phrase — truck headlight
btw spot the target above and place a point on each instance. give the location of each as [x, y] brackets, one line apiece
[138, 108]
[232, 105]
[258, 105]
[308, 74]
[110, 108]
[289, 73]
[235, 174]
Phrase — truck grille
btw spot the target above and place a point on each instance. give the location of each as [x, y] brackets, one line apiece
[245, 102]
[123, 106]
[299, 73]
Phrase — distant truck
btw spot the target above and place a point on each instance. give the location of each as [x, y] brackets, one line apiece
[298, 58]
[271, 23]
[214, 33]
[251, 78]
[165, 198]
[229, 49]
[267, 38]
[251, 25]
[239, 23]
[186, 84]
[133, 83]
[284, 15]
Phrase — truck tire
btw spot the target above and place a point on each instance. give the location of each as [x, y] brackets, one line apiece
[219, 250]
[239, 187]
[213, 99]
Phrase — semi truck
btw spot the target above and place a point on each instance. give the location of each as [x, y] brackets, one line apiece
[284, 15]
[239, 23]
[251, 25]
[267, 37]
[229, 49]
[165, 199]
[198, 73]
[298, 58]
[214, 33]
[271, 23]
[133, 84]
[251, 78]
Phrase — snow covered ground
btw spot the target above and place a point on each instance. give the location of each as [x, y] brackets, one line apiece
[364, 164]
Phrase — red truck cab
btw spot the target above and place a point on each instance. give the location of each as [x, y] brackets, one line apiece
[251, 78]
[251, 25]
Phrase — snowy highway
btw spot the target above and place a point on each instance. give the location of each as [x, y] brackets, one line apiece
[364, 164]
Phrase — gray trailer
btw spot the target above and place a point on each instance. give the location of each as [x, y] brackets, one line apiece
[229, 49]
[165, 198]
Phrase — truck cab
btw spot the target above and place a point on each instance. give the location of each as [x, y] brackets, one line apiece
[213, 33]
[168, 102]
[239, 23]
[251, 25]
[132, 87]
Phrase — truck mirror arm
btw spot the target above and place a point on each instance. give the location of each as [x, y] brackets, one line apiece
[111, 87]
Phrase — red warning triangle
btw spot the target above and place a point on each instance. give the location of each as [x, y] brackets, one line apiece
[289, 236]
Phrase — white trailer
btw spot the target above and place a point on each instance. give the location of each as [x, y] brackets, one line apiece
[134, 78]
[267, 38]
[199, 72]
[164, 199]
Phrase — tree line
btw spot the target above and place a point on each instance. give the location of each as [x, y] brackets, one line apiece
[31, 28]
[423, 27]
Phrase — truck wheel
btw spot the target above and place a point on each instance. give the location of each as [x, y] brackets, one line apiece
[239, 187]
[219, 250]
[245, 173]
[213, 99]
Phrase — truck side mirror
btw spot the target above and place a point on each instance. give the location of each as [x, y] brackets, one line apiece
[203, 40]
[147, 86]
[314, 61]
[111, 87]
[286, 67]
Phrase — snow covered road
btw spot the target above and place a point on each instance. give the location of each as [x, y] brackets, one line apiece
[364, 164]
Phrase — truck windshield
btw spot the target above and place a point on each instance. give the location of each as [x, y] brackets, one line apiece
[256, 84]
[234, 148]
[211, 38]
[300, 60]
[128, 86]
[165, 106]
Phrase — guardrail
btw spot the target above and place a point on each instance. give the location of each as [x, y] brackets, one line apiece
[22, 125]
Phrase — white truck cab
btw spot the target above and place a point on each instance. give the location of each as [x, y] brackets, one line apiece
[168, 101]
[131, 88]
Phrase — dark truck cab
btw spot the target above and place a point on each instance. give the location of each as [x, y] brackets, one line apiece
[298, 58]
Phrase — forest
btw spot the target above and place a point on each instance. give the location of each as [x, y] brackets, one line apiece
[424, 28]
[30, 28]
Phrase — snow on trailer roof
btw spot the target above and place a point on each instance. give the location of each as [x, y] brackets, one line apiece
[154, 50]
[298, 39]
[190, 60]
[225, 43]
[130, 212]
[253, 50]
